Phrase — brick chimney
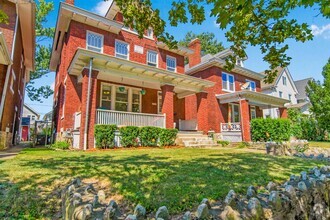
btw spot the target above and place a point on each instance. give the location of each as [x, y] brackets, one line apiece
[195, 58]
[71, 2]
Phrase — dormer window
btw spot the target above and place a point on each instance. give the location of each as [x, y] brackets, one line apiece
[94, 42]
[252, 85]
[170, 63]
[122, 50]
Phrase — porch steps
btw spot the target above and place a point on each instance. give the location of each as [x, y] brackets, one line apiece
[194, 139]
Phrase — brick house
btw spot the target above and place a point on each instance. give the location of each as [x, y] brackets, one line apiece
[106, 74]
[17, 43]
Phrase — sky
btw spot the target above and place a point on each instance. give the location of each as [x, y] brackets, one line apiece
[307, 61]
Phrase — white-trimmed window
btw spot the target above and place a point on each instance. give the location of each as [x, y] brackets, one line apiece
[94, 42]
[13, 78]
[228, 82]
[121, 99]
[136, 100]
[253, 112]
[106, 96]
[252, 85]
[152, 58]
[160, 102]
[171, 63]
[122, 50]
[284, 80]
[235, 114]
[280, 93]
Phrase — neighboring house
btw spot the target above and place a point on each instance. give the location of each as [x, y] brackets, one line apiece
[30, 116]
[282, 87]
[17, 40]
[303, 103]
[106, 74]
[48, 116]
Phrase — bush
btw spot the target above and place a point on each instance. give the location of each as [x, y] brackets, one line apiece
[167, 137]
[149, 136]
[62, 145]
[271, 129]
[243, 145]
[223, 143]
[105, 136]
[129, 136]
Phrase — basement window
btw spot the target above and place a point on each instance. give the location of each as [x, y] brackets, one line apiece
[94, 42]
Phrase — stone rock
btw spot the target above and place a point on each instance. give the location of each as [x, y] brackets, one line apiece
[303, 176]
[110, 213]
[230, 198]
[90, 189]
[207, 202]
[202, 211]
[254, 206]
[113, 204]
[163, 213]
[324, 169]
[96, 201]
[323, 178]
[251, 192]
[290, 190]
[77, 197]
[275, 200]
[101, 195]
[271, 186]
[76, 182]
[71, 190]
[229, 213]
[131, 217]
[140, 212]
[320, 157]
[292, 177]
[317, 172]
[187, 216]
[302, 186]
[83, 212]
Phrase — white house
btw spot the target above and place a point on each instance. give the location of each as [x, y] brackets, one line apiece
[282, 87]
[30, 113]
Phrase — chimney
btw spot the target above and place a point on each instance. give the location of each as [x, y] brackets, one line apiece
[71, 2]
[195, 58]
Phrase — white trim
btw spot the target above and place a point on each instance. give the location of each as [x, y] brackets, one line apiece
[102, 41]
[255, 85]
[157, 59]
[13, 78]
[176, 65]
[136, 33]
[128, 49]
[232, 113]
[159, 93]
[228, 82]
[253, 108]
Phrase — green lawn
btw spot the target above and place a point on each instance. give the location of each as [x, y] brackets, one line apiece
[177, 178]
[321, 144]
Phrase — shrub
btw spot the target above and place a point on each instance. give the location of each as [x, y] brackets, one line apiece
[167, 137]
[105, 135]
[223, 143]
[243, 145]
[271, 129]
[149, 136]
[62, 145]
[129, 136]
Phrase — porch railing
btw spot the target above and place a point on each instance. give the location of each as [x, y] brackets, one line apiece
[77, 120]
[227, 127]
[130, 118]
[188, 125]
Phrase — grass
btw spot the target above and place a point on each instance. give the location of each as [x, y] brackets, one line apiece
[178, 178]
[320, 144]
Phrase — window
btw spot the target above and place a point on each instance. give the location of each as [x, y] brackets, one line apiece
[106, 97]
[122, 50]
[160, 102]
[170, 63]
[252, 85]
[94, 42]
[13, 78]
[136, 98]
[253, 113]
[284, 80]
[33, 117]
[290, 96]
[235, 115]
[280, 94]
[121, 99]
[152, 58]
[150, 33]
[228, 82]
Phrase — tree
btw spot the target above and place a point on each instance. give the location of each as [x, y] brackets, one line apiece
[44, 36]
[319, 95]
[257, 23]
[209, 43]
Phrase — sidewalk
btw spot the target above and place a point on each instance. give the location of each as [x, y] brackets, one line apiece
[12, 152]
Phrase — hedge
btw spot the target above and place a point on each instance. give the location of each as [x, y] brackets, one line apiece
[105, 136]
[271, 129]
[149, 136]
[129, 136]
[167, 137]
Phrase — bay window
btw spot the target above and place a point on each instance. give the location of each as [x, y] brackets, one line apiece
[228, 82]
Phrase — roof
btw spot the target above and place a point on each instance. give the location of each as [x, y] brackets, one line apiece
[299, 105]
[280, 71]
[48, 115]
[219, 60]
[301, 87]
[31, 109]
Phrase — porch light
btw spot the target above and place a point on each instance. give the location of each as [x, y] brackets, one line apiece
[143, 92]
[121, 89]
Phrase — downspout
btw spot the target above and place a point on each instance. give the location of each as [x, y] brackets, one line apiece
[4, 93]
[88, 101]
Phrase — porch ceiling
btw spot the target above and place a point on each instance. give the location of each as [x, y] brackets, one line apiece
[254, 98]
[114, 68]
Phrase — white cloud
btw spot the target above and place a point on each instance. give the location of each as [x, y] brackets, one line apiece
[217, 25]
[102, 7]
[322, 31]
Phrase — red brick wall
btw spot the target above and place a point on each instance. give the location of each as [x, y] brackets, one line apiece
[8, 29]
[3, 73]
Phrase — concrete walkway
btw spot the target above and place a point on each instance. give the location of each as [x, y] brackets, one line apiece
[12, 152]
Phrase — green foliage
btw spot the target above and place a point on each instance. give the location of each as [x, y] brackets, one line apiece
[223, 143]
[246, 23]
[129, 136]
[301, 148]
[105, 136]
[243, 144]
[167, 137]
[3, 17]
[270, 129]
[62, 145]
[319, 95]
[149, 136]
[209, 43]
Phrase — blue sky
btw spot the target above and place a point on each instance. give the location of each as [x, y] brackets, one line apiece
[308, 58]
